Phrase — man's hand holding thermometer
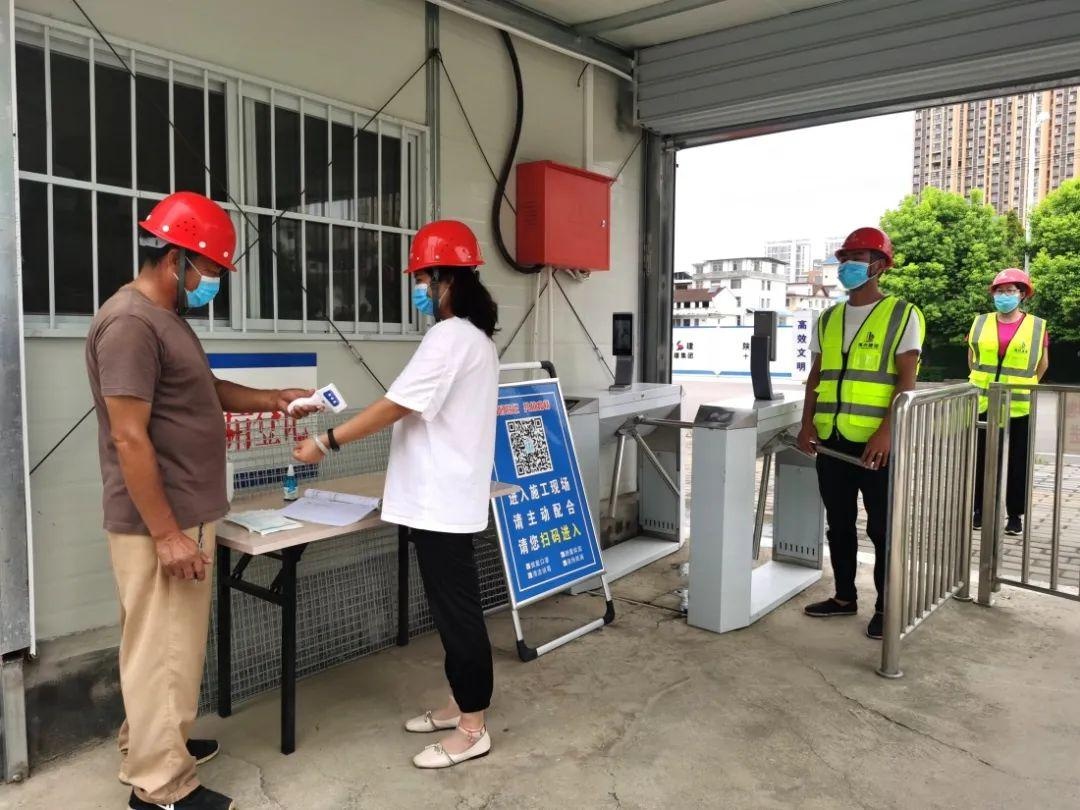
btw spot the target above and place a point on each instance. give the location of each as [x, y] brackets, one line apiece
[327, 398]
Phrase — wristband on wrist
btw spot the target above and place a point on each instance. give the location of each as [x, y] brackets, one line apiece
[318, 443]
[332, 441]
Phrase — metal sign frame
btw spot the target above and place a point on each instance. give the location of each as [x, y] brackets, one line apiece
[526, 652]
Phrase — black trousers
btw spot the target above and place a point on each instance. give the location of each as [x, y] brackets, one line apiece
[448, 569]
[840, 484]
[1016, 480]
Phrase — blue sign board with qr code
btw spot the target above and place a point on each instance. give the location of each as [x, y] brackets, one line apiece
[545, 528]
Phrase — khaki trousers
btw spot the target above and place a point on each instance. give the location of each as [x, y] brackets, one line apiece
[163, 628]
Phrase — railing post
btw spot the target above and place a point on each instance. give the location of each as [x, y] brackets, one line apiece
[971, 449]
[991, 497]
[895, 568]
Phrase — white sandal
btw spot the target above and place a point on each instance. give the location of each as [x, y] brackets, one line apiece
[435, 756]
[426, 723]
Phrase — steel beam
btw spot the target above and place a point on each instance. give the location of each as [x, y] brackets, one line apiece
[16, 633]
[626, 19]
[658, 260]
[545, 31]
[433, 112]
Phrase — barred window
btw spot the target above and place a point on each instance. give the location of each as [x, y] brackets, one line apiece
[324, 198]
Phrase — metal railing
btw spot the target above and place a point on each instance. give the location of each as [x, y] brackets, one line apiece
[931, 487]
[1000, 398]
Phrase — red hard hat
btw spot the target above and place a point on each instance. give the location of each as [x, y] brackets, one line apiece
[868, 239]
[444, 243]
[195, 223]
[1014, 275]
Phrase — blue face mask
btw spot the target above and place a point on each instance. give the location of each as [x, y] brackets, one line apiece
[204, 293]
[422, 301]
[1006, 302]
[853, 274]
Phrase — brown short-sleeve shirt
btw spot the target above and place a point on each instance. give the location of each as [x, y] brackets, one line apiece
[138, 349]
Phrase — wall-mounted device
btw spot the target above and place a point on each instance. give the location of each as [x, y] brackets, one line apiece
[762, 352]
[622, 342]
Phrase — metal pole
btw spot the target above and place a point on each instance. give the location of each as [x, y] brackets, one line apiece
[912, 527]
[933, 587]
[1059, 459]
[987, 566]
[763, 493]
[1003, 476]
[971, 431]
[896, 570]
[1025, 564]
[433, 80]
[613, 501]
[651, 456]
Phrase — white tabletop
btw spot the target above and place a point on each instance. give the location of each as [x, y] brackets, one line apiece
[371, 484]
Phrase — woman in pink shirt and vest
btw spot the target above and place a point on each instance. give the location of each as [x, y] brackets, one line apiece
[1008, 346]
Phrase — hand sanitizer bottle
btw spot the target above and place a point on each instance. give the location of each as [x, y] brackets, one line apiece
[288, 486]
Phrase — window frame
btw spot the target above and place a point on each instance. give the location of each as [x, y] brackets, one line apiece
[53, 36]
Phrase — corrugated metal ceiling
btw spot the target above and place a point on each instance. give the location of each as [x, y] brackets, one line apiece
[640, 23]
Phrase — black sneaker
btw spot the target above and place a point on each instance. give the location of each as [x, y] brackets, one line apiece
[202, 750]
[830, 607]
[199, 799]
[1014, 526]
[876, 627]
[976, 519]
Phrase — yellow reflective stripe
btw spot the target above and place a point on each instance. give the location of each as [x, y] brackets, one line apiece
[976, 334]
[881, 377]
[851, 409]
[888, 346]
[1038, 330]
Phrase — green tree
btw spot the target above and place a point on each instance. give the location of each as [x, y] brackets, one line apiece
[1055, 268]
[947, 249]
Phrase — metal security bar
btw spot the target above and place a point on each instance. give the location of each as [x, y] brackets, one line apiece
[68, 196]
[1047, 564]
[931, 488]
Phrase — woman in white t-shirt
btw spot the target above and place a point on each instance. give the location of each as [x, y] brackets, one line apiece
[438, 480]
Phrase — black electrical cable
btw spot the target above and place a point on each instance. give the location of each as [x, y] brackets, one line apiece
[472, 131]
[521, 323]
[247, 217]
[501, 192]
[62, 440]
[581, 323]
[623, 166]
[508, 164]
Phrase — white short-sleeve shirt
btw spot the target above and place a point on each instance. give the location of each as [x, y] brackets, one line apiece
[441, 455]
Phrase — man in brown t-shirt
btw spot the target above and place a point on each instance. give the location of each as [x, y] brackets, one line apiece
[162, 447]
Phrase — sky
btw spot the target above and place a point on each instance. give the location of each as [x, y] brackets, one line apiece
[731, 198]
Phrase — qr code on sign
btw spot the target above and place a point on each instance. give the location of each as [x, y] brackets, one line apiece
[529, 446]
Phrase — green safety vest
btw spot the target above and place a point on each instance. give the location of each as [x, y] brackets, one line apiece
[1019, 366]
[857, 386]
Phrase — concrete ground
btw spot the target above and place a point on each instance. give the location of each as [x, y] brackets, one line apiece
[651, 713]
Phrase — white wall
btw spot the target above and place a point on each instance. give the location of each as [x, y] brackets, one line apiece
[358, 52]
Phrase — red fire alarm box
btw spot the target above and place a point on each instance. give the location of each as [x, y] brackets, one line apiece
[563, 217]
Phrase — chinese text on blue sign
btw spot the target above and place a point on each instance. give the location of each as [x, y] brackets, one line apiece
[545, 528]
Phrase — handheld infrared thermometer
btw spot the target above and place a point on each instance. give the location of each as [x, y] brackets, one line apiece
[327, 398]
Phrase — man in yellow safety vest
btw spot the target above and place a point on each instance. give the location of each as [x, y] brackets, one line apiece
[865, 352]
[1008, 346]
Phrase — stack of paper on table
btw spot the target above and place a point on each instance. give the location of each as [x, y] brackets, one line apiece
[331, 508]
[263, 521]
